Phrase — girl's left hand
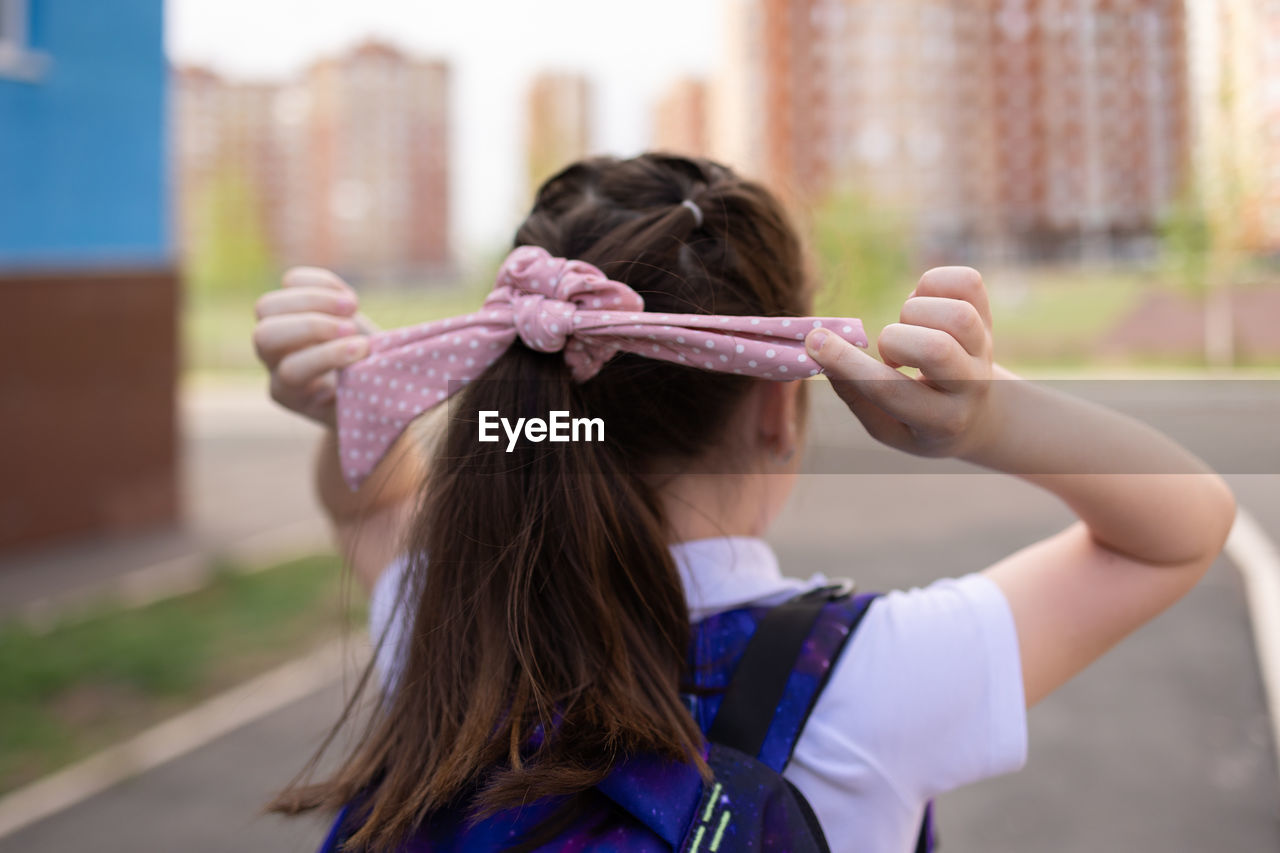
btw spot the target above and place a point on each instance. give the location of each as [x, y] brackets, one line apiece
[945, 331]
[307, 330]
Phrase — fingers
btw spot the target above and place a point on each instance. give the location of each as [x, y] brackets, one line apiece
[314, 277]
[945, 328]
[306, 331]
[963, 283]
[277, 336]
[937, 353]
[318, 393]
[956, 317]
[365, 325]
[294, 300]
[945, 331]
[299, 371]
[879, 424]
[880, 397]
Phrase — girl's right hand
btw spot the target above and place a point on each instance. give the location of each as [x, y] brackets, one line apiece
[945, 332]
[308, 329]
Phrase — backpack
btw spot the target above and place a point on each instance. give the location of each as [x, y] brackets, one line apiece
[754, 675]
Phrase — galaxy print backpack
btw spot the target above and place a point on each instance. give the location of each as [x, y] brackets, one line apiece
[754, 675]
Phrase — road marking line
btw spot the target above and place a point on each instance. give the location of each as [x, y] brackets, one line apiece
[180, 735]
[1258, 561]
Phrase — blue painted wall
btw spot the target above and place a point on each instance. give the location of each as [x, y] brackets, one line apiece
[83, 149]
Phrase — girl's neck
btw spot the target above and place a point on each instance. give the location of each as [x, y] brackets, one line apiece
[705, 506]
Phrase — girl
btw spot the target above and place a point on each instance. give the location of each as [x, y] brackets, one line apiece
[562, 578]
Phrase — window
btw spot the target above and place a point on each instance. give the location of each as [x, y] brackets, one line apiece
[17, 60]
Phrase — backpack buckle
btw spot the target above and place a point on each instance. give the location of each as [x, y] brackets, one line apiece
[841, 588]
[832, 591]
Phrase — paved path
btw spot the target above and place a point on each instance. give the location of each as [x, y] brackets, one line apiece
[1164, 745]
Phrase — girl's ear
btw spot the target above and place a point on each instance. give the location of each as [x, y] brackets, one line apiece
[778, 418]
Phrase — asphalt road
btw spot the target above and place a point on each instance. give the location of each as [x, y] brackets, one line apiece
[1164, 745]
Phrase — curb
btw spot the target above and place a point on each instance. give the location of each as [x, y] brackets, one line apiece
[1258, 561]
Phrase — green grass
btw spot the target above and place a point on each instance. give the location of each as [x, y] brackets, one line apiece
[1066, 305]
[77, 686]
[1056, 317]
[1044, 317]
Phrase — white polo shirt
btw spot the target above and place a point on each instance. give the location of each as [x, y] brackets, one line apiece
[927, 697]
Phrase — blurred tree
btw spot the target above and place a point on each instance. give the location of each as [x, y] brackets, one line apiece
[864, 257]
[230, 253]
[1206, 237]
[1200, 252]
[1185, 243]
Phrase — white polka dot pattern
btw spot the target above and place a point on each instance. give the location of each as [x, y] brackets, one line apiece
[552, 305]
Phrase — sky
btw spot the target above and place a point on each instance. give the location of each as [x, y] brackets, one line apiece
[630, 50]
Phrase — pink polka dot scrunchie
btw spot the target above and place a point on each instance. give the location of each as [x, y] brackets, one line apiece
[551, 305]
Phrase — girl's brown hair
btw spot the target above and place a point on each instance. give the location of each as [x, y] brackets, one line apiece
[549, 630]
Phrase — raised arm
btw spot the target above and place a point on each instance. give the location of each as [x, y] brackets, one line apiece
[369, 524]
[306, 331]
[1153, 517]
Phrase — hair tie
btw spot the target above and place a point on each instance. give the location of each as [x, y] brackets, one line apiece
[551, 305]
[697, 211]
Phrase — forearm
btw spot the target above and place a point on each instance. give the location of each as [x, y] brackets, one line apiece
[1139, 492]
[397, 478]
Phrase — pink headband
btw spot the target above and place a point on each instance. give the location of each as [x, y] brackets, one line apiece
[551, 305]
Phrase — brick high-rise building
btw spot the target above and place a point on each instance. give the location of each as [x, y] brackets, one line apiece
[227, 143]
[680, 118]
[558, 124]
[344, 167]
[379, 127]
[1091, 121]
[1033, 126]
[736, 127]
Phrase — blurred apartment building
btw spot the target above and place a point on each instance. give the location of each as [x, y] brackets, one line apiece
[344, 167]
[557, 124]
[88, 382]
[680, 118]
[1235, 61]
[1005, 129]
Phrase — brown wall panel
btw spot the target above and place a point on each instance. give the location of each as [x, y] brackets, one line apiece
[87, 403]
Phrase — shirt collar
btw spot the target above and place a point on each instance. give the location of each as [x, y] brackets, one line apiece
[728, 571]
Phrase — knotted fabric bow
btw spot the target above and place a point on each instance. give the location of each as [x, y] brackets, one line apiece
[552, 305]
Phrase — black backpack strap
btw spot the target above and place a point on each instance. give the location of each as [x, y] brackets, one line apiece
[760, 679]
[927, 841]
